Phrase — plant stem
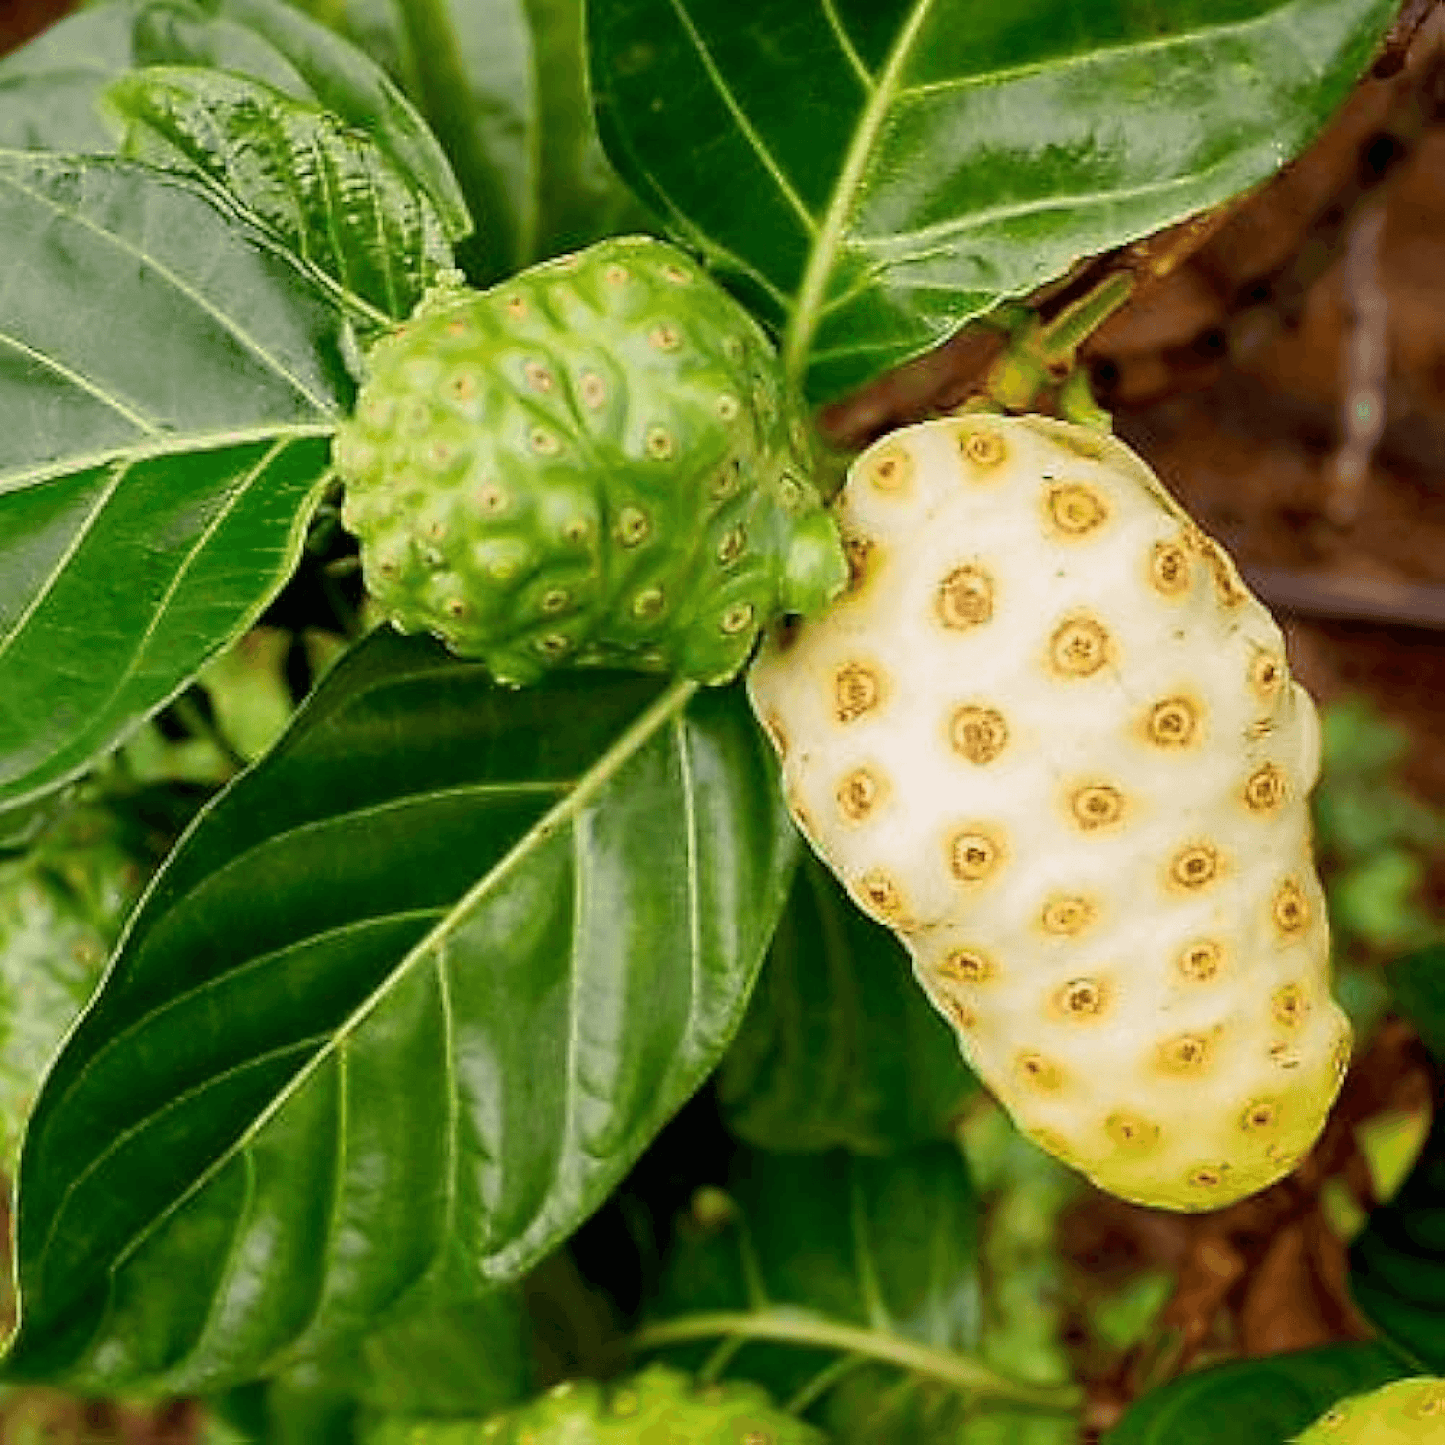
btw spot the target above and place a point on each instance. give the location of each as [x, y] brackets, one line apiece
[963, 1372]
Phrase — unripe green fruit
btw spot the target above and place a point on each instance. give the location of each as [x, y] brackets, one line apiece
[658, 1406]
[1051, 739]
[1404, 1412]
[594, 463]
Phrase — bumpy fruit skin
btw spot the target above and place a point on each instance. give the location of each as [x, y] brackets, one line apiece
[596, 462]
[658, 1406]
[1404, 1412]
[62, 905]
[1051, 739]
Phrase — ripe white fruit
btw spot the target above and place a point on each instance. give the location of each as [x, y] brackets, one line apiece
[1051, 739]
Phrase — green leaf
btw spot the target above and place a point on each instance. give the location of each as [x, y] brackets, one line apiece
[503, 83]
[839, 1046]
[844, 1283]
[1256, 1402]
[406, 1002]
[873, 173]
[331, 194]
[168, 389]
[50, 89]
[1397, 1265]
[1418, 984]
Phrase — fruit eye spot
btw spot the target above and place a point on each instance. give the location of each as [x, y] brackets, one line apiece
[593, 389]
[1169, 569]
[555, 599]
[856, 691]
[1266, 676]
[728, 406]
[1289, 1006]
[1067, 916]
[1259, 1116]
[725, 483]
[537, 376]
[858, 794]
[665, 338]
[736, 618]
[1291, 908]
[1200, 961]
[1173, 723]
[979, 734]
[1097, 806]
[965, 965]
[1285, 1057]
[455, 607]
[616, 275]
[1082, 998]
[984, 449]
[891, 470]
[491, 499]
[647, 603]
[632, 526]
[963, 1016]
[882, 893]
[858, 551]
[1040, 1072]
[973, 856]
[1186, 1054]
[577, 530]
[777, 734]
[733, 348]
[544, 443]
[1340, 1056]
[1079, 647]
[732, 545]
[1195, 866]
[516, 307]
[1076, 509]
[965, 598]
[1265, 789]
[1129, 1131]
[676, 275]
[660, 445]
[1209, 1176]
[462, 386]
[553, 645]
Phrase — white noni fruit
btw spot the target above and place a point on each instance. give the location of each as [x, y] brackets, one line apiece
[1051, 739]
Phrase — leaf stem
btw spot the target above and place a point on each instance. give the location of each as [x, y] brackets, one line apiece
[446, 97]
[793, 1327]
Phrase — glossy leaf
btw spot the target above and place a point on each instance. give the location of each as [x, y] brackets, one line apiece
[50, 89]
[846, 1282]
[405, 1003]
[1397, 1265]
[839, 1046]
[1256, 1402]
[503, 83]
[168, 385]
[873, 173]
[330, 193]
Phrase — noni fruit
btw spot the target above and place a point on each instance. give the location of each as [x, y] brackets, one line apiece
[62, 904]
[658, 1406]
[1404, 1412]
[1051, 739]
[596, 462]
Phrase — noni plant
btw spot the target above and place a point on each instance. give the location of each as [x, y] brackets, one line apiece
[492, 1055]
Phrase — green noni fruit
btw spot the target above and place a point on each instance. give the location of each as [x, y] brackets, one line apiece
[62, 905]
[658, 1406]
[595, 463]
[1404, 1412]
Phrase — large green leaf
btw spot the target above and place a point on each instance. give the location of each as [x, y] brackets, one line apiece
[1397, 1264]
[839, 1045]
[503, 83]
[848, 1283]
[872, 173]
[406, 1002]
[168, 384]
[50, 89]
[1256, 1402]
[1418, 984]
[331, 194]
